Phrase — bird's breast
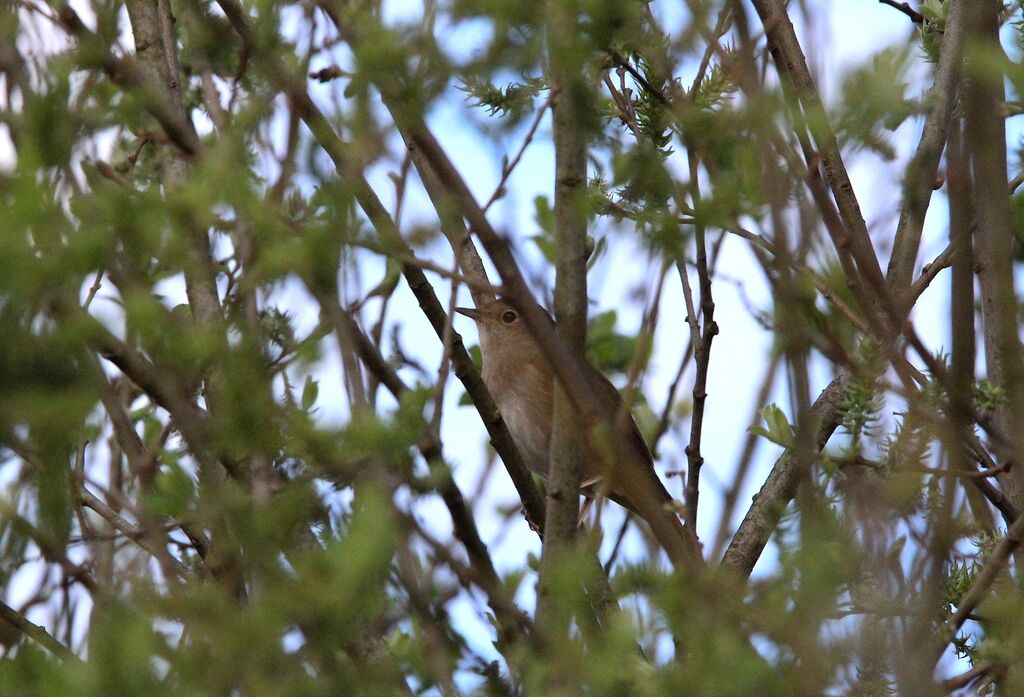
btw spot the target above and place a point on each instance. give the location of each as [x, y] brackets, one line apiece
[523, 395]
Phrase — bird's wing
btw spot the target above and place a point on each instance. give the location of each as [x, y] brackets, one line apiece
[612, 399]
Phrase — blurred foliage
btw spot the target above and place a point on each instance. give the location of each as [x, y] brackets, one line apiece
[203, 493]
[931, 30]
[875, 101]
[513, 99]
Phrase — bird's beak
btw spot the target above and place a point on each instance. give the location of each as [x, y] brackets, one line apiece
[469, 312]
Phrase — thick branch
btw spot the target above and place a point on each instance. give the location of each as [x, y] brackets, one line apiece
[986, 144]
[779, 489]
[570, 269]
[565, 462]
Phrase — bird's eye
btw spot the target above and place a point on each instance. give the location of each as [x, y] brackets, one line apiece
[509, 316]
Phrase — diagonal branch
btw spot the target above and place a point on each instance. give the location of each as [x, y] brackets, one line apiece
[36, 633]
[779, 489]
[791, 65]
[417, 280]
[994, 565]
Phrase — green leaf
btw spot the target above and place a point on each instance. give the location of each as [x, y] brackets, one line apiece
[173, 492]
[309, 393]
[778, 429]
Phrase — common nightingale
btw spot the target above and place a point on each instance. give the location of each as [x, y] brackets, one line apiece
[521, 380]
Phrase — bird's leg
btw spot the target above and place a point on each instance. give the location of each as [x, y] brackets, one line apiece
[585, 486]
[587, 503]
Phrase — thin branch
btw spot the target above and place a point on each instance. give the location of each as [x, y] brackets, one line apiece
[36, 633]
[904, 7]
[507, 170]
[670, 399]
[136, 534]
[919, 181]
[453, 275]
[791, 65]
[1016, 182]
[721, 26]
[746, 458]
[701, 354]
[470, 576]
[967, 677]
[994, 565]
[928, 274]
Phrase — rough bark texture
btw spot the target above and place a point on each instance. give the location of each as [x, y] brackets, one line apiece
[779, 489]
[986, 143]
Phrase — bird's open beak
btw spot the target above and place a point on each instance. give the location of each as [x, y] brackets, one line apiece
[469, 312]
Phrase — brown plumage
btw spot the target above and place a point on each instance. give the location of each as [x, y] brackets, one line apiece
[521, 382]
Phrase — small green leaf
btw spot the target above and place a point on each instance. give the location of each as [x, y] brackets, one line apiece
[309, 393]
[173, 492]
[779, 430]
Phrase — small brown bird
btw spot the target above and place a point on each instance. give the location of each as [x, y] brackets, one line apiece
[521, 381]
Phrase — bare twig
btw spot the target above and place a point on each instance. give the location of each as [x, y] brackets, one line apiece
[904, 7]
[138, 535]
[701, 355]
[454, 275]
[928, 274]
[507, 170]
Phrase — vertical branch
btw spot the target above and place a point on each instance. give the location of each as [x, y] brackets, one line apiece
[701, 354]
[986, 143]
[151, 29]
[156, 61]
[961, 299]
[571, 98]
[962, 310]
[920, 178]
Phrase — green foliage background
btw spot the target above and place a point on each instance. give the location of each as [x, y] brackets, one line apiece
[179, 517]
